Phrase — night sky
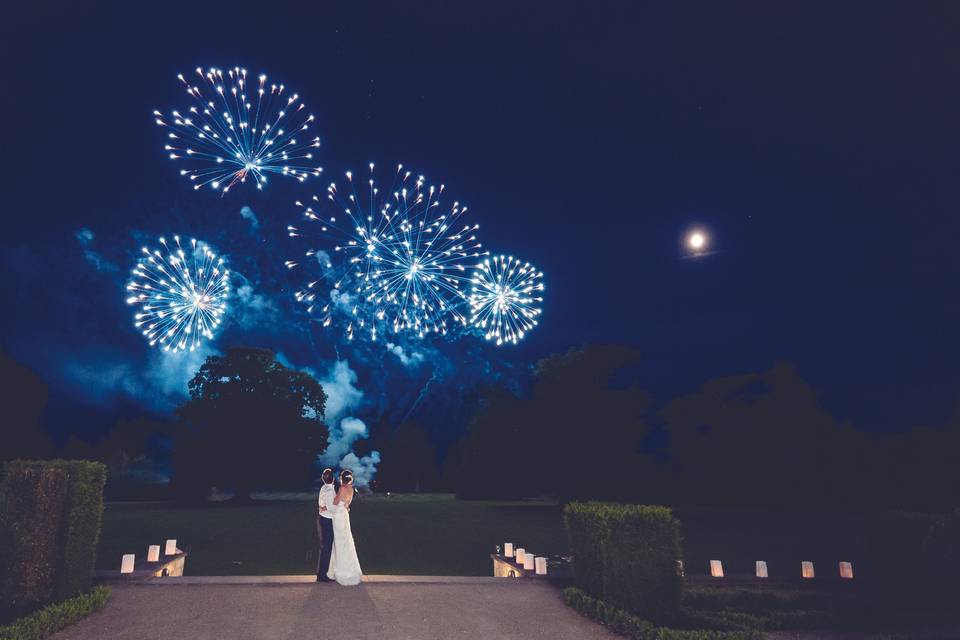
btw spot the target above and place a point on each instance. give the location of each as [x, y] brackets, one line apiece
[816, 142]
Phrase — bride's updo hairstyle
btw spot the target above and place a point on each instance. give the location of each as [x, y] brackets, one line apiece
[346, 477]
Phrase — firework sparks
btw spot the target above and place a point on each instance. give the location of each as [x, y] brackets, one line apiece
[181, 296]
[505, 298]
[233, 131]
[396, 259]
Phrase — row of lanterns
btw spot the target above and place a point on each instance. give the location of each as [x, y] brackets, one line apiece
[806, 569]
[153, 555]
[526, 559]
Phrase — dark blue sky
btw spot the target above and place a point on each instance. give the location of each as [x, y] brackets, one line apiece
[816, 141]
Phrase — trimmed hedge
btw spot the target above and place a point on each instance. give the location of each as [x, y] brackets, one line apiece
[85, 512]
[50, 513]
[621, 622]
[52, 618]
[626, 555]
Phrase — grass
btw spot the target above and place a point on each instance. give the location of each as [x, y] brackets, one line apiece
[50, 619]
[401, 534]
[432, 534]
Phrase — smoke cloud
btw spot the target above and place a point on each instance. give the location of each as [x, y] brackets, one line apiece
[248, 214]
[343, 398]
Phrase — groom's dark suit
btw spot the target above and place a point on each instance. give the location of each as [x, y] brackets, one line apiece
[324, 531]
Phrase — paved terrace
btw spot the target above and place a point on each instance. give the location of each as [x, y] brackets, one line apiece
[383, 607]
[293, 608]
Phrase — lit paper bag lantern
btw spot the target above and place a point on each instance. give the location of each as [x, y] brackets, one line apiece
[762, 569]
[508, 549]
[153, 553]
[519, 555]
[716, 568]
[806, 569]
[171, 548]
[846, 570]
[541, 564]
[126, 564]
[528, 561]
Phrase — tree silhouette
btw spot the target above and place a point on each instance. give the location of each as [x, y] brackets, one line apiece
[250, 422]
[24, 397]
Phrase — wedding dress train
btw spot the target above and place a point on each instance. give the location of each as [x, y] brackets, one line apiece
[344, 564]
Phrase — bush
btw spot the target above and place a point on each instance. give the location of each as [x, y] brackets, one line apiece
[584, 523]
[50, 619]
[895, 566]
[50, 514]
[627, 556]
[85, 511]
[32, 501]
[632, 626]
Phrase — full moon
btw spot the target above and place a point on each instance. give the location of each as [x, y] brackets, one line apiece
[697, 240]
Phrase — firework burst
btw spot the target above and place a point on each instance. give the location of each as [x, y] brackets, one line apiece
[505, 298]
[181, 295]
[395, 259]
[234, 131]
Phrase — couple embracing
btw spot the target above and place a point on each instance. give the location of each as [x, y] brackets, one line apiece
[338, 556]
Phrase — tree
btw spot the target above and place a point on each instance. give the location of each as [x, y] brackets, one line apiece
[23, 397]
[250, 422]
[580, 433]
[764, 440]
[409, 459]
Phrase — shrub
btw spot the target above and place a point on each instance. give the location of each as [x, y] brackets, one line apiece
[50, 513]
[637, 628]
[584, 523]
[32, 501]
[50, 619]
[627, 556]
[894, 561]
[85, 511]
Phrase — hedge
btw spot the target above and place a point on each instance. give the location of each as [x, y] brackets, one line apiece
[50, 513]
[624, 623]
[52, 618]
[626, 555]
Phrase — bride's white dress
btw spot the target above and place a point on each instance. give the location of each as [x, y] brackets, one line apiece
[344, 564]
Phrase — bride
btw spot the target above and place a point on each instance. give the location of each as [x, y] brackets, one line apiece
[344, 565]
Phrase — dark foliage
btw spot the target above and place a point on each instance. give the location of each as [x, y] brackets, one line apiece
[627, 556]
[576, 412]
[409, 459]
[250, 422]
[47, 621]
[756, 440]
[50, 515]
[23, 397]
[637, 628]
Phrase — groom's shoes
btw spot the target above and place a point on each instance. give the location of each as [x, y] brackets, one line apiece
[323, 579]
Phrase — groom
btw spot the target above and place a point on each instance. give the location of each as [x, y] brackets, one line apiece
[325, 524]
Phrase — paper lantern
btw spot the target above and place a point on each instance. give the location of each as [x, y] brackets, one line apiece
[762, 569]
[716, 568]
[846, 570]
[153, 553]
[519, 555]
[541, 564]
[171, 548]
[126, 565]
[508, 549]
[529, 561]
[806, 569]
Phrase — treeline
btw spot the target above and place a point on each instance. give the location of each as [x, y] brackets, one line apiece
[748, 440]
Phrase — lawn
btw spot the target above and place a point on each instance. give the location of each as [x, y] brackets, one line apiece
[438, 535]
[400, 534]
